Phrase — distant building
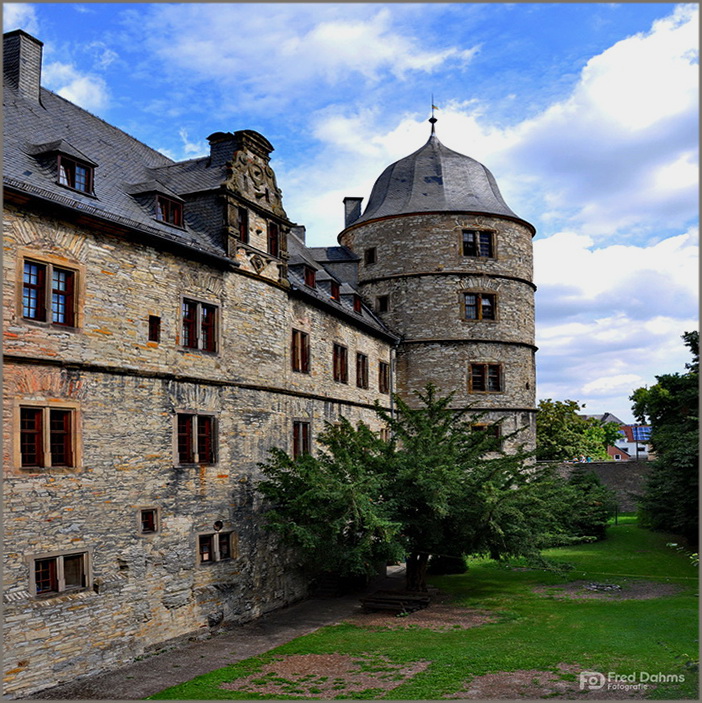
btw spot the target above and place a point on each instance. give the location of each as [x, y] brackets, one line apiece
[634, 440]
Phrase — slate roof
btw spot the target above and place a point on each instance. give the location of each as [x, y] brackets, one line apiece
[32, 130]
[435, 179]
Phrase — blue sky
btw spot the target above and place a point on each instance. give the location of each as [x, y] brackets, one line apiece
[587, 115]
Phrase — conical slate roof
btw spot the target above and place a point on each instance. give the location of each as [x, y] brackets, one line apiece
[435, 179]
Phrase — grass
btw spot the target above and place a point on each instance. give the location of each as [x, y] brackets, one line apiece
[532, 632]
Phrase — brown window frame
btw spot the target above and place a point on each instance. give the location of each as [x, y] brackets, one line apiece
[383, 377]
[243, 225]
[193, 432]
[154, 334]
[300, 351]
[49, 295]
[146, 517]
[273, 237]
[216, 540]
[302, 438]
[357, 303]
[199, 325]
[482, 375]
[491, 430]
[340, 363]
[482, 245]
[481, 309]
[49, 577]
[51, 442]
[310, 277]
[361, 370]
[335, 291]
[68, 174]
[169, 211]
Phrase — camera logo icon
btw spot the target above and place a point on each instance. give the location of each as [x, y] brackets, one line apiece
[592, 680]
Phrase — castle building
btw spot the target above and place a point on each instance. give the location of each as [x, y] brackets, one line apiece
[165, 325]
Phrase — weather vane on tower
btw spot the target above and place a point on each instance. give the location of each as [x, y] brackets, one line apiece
[432, 119]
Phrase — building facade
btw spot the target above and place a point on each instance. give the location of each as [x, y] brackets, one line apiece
[165, 325]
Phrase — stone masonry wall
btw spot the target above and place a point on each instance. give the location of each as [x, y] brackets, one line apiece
[147, 589]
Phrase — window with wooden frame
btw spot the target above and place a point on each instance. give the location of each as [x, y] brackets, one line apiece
[384, 434]
[199, 329]
[48, 293]
[310, 277]
[75, 174]
[51, 575]
[485, 378]
[382, 303]
[300, 351]
[216, 546]
[196, 439]
[154, 328]
[335, 291]
[478, 243]
[361, 370]
[169, 211]
[369, 256]
[243, 217]
[492, 431]
[302, 441]
[357, 306]
[383, 377]
[480, 306]
[148, 521]
[47, 437]
[340, 363]
[273, 239]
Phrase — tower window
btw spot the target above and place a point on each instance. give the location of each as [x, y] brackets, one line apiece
[478, 243]
[382, 303]
[196, 439]
[369, 256]
[340, 363]
[485, 378]
[480, 306]
[273, 239]
[243, 216]
[300, 351]
[383, 377]
[199, 328]
[361, 370]
[301, 438]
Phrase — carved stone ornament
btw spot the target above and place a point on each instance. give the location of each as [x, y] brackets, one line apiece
[258, 263]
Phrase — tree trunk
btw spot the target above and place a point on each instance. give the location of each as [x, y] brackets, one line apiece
[416, 574]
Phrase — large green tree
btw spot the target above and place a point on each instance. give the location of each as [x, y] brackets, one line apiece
[437, 487]
[562, 433]
[670, 407]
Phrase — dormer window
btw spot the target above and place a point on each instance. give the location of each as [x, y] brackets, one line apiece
[310, 277]
[169, 211]
[75, 174]
[335, 291]
[357, 303]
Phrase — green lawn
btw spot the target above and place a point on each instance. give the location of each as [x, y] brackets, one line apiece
[532, 632]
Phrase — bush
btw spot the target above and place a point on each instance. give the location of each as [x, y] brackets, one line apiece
[442, 564]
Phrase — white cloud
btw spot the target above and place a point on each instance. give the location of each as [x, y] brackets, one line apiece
[20, 16]
[87, 90]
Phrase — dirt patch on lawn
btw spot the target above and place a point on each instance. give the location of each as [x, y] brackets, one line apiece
[631, 590]
[327, 676]
[532, 683]
[439, 617]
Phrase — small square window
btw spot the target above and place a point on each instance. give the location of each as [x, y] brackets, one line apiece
[53, 575]
[170, 211]
[75, 174]
[199, 328]
[480, 306]
[478, 243]
[485, 378]
[47, 437]
[382, 303]
[148, 520]
[154, 328]
[217, 546]
[197, 442]
[490, 431]
[369, 256]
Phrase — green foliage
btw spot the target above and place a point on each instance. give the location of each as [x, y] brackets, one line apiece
[437, 487]
[563, 434]
[671, 408]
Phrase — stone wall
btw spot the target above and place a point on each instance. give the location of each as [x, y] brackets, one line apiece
[124, 390]
[626, 478]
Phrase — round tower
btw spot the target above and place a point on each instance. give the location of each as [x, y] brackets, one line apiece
[448, 266]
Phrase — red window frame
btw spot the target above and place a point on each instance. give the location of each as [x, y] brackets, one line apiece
[310, 277]
[46, 576]
[48, 288]
[199, 325]
[61, 437]
[357, 307]
[301, 438]
[32, 437]
[154, 328]
[383, 377]
[196, 439]
[75, 174]
[169, 211]
[273, 239]
[480, 306]
[335, 291]
[361, 370]
[40, 449]
[300, 351]
[149, 520]
[340, 363]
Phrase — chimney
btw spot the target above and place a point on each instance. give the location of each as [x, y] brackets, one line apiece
[22, 63]
[299, 231]
[352, 210]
